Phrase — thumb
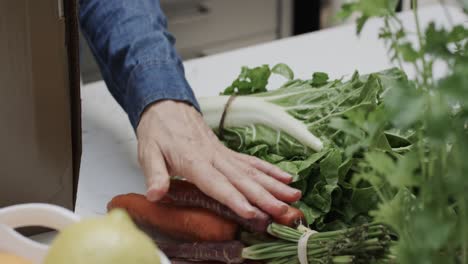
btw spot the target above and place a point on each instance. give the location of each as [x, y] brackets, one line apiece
[155, 171]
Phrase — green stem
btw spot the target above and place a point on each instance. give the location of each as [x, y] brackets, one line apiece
[463, 216]
[394, 39]
[363, 239]
[343, 259]
[425, 71]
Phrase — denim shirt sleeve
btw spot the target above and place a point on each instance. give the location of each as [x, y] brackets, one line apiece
[135, 53]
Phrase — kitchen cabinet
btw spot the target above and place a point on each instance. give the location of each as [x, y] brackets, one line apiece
[206, 27]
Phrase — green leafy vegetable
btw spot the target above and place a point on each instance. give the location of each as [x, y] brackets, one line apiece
[282, 126]
[284, 70]
[426, 202]
[319, 78]
[250, 81]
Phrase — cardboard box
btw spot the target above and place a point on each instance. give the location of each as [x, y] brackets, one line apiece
[40, 131]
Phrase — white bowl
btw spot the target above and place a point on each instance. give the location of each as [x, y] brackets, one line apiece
[45, 215]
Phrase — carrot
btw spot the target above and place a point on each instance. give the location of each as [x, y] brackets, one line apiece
[292, 218]
[183, 193]
[225, 252]
[182, 261]
[191, 224]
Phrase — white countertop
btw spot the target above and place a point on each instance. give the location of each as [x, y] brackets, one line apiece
[109, 165]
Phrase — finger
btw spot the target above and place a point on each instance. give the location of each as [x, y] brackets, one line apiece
[279, 189]
[155, 171]
[204, 175]
[254, 192]
[265, 167]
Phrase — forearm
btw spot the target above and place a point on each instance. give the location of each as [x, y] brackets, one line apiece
[135, 53]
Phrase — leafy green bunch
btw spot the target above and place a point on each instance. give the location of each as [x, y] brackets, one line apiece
[341, 113]
[430, 178]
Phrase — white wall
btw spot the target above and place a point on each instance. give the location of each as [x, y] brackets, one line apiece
[332, 6]
[429, 2]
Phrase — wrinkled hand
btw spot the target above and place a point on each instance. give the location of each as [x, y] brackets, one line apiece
[173, 139]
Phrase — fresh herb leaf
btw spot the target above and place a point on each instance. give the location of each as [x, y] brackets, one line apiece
[319, 78]
[283, 70]
[250, 81]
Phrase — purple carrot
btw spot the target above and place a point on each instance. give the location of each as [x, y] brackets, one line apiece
[225, 252]
[181, 261]
[183, 193]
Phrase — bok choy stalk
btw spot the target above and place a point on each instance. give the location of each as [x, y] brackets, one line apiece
[258, 110]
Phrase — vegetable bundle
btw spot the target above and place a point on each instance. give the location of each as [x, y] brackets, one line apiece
[210, 235]
[362, 244]
[271, 125]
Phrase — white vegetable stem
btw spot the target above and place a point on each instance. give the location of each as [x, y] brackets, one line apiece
[250, 110]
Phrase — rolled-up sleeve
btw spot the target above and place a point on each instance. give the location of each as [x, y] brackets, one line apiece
[135, 53]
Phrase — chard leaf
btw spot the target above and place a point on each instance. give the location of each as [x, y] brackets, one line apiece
[283, 70]
[329, 167]
[363, 200]
[250, 81]
[346, 126]
[397, 141]
[320, 196]
[343, 171]
[319, 78]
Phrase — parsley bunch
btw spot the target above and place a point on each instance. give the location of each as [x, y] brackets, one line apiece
[427, 205]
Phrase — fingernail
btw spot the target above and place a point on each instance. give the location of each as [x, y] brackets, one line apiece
[288, 177]
[153, 194]
[250, 211]
[283, 208]
[297, 194]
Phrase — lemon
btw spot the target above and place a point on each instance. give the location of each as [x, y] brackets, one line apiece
[112, 239]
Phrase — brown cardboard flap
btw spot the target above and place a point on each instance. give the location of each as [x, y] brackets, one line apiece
[40, 137]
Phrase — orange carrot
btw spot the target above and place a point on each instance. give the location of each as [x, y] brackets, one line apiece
[293, 217]
[191, 224]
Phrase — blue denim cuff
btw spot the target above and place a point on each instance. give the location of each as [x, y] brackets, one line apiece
[155, 81]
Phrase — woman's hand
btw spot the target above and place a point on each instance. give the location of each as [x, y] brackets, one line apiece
[173, 139]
